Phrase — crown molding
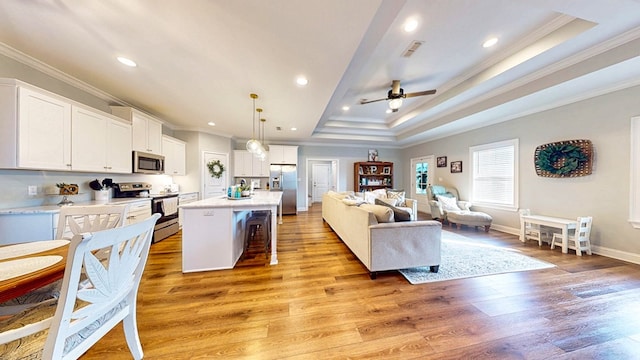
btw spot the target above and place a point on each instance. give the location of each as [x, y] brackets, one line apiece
[38, 65]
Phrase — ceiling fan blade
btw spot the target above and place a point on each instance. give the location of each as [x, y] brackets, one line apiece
[420, 93]
[365, 101]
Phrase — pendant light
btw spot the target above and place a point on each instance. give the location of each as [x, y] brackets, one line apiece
[253, 145]
[260, 151]
[263, 155]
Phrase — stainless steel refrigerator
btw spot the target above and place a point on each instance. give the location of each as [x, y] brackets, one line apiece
[285, 178]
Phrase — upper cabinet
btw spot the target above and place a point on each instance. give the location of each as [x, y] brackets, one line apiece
[282, 154]
[100, 142]
[44, 131]
[246, 164]
[175, 156]
[35, 129]
[146, 131]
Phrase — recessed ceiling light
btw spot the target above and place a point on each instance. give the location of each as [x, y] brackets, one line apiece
[490, 42]
[302, 81]
[211, 123]
[345, 108]
[411, 25]
[294, 129]
[127, 62]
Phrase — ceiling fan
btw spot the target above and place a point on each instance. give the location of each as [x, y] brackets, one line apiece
[396, 94]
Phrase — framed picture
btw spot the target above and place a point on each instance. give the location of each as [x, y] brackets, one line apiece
[386, 170]
[442, 161]
[456, 166]
[373, 154]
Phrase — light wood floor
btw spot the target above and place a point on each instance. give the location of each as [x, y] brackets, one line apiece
[319, 303]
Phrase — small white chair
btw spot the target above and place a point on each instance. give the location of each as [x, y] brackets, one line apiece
[84, 314]
[531, 231]
[579, 241]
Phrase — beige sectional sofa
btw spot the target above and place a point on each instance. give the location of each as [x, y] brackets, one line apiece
[382, 246]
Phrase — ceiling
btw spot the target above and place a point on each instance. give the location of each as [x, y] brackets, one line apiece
[198, 61]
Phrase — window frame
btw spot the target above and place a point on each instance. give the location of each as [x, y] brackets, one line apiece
[516, 166]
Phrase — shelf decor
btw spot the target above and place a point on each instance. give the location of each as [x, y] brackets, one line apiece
[569, 158]
[216, 168]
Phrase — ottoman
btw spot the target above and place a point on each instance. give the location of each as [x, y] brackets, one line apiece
[470, 218]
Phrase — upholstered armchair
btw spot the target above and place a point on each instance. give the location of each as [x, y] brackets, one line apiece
[449, 201]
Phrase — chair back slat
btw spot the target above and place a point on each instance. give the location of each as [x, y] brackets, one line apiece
[97, 293]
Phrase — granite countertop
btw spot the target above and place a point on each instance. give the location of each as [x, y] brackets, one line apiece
[55, 208]
[262, 198]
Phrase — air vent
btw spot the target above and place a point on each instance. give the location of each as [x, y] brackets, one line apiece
[412, 48]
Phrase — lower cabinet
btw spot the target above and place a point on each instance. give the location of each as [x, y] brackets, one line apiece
[138, 211]
[185, 199]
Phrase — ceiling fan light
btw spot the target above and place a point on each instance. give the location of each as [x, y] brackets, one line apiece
[394, 104]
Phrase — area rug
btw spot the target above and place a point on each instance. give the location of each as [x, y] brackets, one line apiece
[464, 258]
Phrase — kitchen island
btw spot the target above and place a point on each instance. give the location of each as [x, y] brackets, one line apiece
[213, 230]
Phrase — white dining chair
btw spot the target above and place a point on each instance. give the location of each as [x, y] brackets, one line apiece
[72, 220]
[580, 239]
[68, 327]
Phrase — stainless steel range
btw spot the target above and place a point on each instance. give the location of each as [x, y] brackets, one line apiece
[164, 204]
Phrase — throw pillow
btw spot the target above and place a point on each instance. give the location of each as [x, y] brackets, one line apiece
[448, 203]
[398, 214]
[383, 214]
[398, 195]
[392, 202]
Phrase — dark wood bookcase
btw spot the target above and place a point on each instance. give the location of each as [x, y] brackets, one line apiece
[372, 175]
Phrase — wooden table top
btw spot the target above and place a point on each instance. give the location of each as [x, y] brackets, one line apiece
[20, 285]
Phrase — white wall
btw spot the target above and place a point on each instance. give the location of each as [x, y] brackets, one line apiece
[605, 120]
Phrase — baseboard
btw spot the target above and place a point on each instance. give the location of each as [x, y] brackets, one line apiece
[599, 250]
[616, 254]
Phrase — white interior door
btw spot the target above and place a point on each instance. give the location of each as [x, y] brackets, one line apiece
[212, 186]
[321, 180]
[422, 171]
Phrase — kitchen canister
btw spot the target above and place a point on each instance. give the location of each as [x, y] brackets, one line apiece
[102, 195]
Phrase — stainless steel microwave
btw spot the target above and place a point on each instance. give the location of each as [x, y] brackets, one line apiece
[145, 163]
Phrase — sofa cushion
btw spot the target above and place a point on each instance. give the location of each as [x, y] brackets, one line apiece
[399, 195]
[448, 203]
[382, 213]
[398, 214]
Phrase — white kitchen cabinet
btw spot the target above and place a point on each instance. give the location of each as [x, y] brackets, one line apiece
[138, 211]
[247, 165]
[185, 199]
[35, 128]
[175, 156]
[283, 154]
[99, 143]
[242, 163]
[27, 227]
[146, 131]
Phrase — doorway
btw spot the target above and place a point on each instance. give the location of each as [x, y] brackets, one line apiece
[212, 186]
[422, 172]
[322, 176]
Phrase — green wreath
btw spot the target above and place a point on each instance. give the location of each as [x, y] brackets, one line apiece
[550, 158]
[216, 168]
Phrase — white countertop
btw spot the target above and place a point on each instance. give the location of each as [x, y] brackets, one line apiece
[261, 198]
[55, 208]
